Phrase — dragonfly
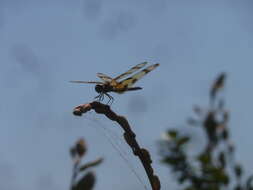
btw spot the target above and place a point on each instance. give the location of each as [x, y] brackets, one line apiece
[119, 84]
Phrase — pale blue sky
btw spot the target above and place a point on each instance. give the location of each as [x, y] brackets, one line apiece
[44, 44]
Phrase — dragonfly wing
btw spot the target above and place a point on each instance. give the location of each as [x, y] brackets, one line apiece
[130, 71]
[86, 82]
[104, 77]
[133, 79]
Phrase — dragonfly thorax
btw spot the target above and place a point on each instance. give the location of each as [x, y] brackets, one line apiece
[103, 88]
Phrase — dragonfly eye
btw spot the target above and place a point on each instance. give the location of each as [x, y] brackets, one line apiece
[99, 88]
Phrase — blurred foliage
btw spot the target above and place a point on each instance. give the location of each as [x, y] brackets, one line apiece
[214, 167]
[87, 181]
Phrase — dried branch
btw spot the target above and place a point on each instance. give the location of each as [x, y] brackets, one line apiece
[129, 136]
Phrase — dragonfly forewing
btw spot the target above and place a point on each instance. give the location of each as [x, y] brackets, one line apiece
[130, 71]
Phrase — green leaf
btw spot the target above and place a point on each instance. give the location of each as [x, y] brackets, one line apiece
[172, 161]
[225, 134]
[91, 164]
[86, 182]
[172, 133]
[238, 171]
[238, 187]
[204, 158]
[222, 159]
[220, 176]
[183, 140]
[249, 184]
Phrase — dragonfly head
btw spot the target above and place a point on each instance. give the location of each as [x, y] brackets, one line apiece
[99, 88]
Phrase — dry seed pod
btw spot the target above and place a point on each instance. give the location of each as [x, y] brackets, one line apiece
[80, 147]
[218, 84]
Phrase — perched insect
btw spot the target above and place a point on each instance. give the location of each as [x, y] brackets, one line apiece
[118, 84]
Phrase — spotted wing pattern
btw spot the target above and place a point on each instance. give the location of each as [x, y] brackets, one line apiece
[133, 79]
[86, 82]
[130, 71]
[104, 77]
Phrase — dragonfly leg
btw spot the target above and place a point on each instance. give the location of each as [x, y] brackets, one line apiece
[110, 98]
[96, 97]
[99, 97]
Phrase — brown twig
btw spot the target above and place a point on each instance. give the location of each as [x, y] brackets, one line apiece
[129, 137]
